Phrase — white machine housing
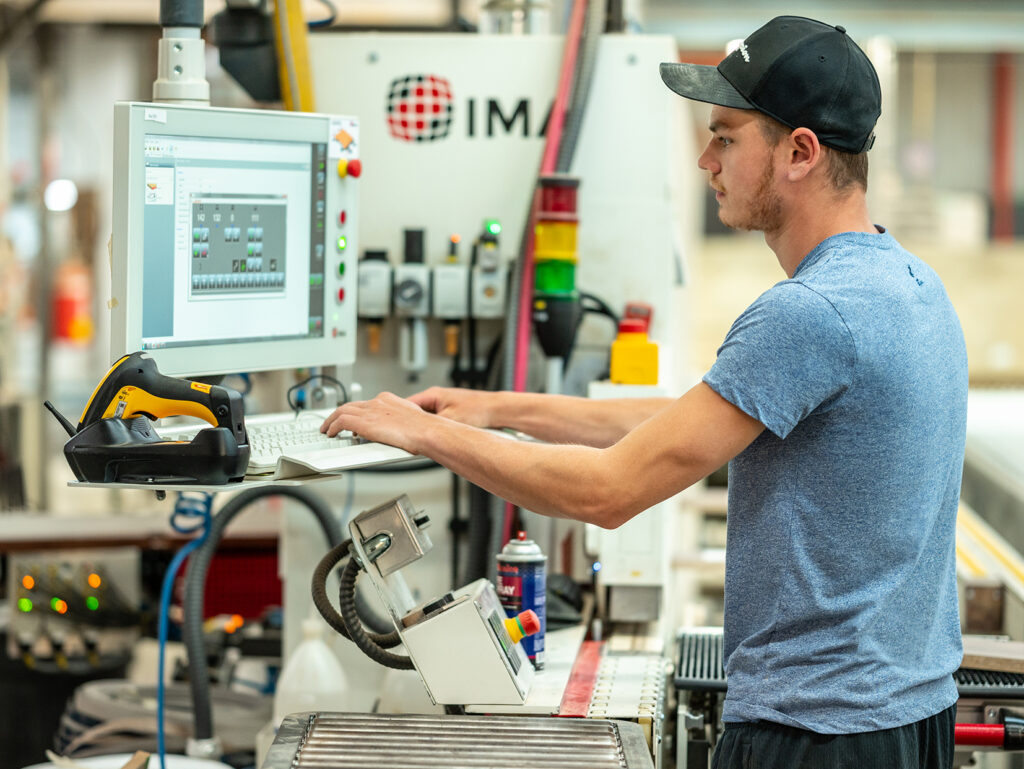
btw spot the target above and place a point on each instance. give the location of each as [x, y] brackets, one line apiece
[485, 101]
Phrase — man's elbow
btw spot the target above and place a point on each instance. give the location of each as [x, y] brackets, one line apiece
[608, 511]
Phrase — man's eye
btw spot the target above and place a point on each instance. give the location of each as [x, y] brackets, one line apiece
[724, 140]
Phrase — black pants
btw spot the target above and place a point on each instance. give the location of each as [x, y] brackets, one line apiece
[927, 744]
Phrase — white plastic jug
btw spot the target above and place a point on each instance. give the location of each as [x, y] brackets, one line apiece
[312, 678]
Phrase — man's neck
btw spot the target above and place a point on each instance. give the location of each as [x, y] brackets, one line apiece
[805, 226]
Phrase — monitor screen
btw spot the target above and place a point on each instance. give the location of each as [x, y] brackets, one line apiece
[233, 235]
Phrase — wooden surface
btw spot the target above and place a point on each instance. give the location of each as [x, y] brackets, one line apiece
[985, 653]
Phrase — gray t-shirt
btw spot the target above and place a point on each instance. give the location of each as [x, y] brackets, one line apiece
[840, 593]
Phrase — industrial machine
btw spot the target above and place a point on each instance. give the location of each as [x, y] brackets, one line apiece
[433, 197]
[236, 249]
[469, 169]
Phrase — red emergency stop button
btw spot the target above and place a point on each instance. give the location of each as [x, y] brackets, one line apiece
[523, 624]
[341, 295]
[530, 621]
[355, 167]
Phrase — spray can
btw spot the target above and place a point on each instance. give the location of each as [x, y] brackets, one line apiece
[522, 585]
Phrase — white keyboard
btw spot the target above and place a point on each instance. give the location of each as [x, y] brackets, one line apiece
[300, 435]
[287, 445]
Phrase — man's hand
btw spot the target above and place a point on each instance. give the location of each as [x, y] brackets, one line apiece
[385, 419]
[471, 407]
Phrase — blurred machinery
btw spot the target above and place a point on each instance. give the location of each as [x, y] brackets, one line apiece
[73, 610]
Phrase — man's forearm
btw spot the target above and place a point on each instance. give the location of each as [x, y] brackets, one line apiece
[564, 481]
[568, 419]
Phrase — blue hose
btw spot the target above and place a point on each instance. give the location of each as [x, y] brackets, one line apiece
[194, 506]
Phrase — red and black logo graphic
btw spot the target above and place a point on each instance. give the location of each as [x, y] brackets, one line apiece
[420, 108]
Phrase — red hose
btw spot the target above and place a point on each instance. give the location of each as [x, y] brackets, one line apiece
[990, 735]
[552, 141]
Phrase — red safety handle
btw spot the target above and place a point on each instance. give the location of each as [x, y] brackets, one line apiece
[991, 735]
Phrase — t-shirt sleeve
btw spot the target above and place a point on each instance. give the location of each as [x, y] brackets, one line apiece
[788, 354]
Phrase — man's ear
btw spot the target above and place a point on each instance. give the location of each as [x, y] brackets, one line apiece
[805, 153]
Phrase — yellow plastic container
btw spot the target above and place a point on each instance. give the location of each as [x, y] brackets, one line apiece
[634, 356]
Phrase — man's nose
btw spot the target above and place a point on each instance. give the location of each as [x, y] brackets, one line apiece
[706, 161]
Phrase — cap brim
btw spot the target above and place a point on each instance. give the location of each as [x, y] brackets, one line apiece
[702, 83]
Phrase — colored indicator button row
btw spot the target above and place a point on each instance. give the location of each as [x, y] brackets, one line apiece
[93, 579]
[59, 605]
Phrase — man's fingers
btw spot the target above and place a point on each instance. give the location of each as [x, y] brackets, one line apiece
[426, 400]
[338, 420]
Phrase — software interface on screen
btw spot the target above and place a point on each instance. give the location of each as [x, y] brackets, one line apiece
[233, 244]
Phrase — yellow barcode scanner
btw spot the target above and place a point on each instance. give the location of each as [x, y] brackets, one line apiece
[133, 387]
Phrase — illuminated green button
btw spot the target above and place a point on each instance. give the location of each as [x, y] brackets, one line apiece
[342, 242]
[25, 604]
[92, 602]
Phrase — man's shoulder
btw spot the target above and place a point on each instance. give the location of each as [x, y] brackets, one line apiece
[792, 310]
[795, 297]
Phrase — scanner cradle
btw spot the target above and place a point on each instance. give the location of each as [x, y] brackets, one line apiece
[115, 450]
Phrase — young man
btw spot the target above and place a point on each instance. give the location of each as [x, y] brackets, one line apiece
[840, 398]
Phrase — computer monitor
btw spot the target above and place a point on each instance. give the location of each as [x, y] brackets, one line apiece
[235, 238]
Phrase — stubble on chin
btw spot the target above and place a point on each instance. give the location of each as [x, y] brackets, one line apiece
[765, 211]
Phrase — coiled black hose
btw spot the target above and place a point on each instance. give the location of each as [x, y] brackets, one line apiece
[195, 586]
[323, 603]
[373, 645]
[347, 604]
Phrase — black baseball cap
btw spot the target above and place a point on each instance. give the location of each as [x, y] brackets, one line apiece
[802, 72]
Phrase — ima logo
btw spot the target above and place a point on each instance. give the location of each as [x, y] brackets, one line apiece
[420, 108]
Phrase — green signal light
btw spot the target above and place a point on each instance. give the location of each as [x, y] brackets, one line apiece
[342, 242]
[25, 604]
[54, 603]
[493, 226]
[92, 602]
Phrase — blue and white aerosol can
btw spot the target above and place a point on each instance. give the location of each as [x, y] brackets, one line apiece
[522, 585]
